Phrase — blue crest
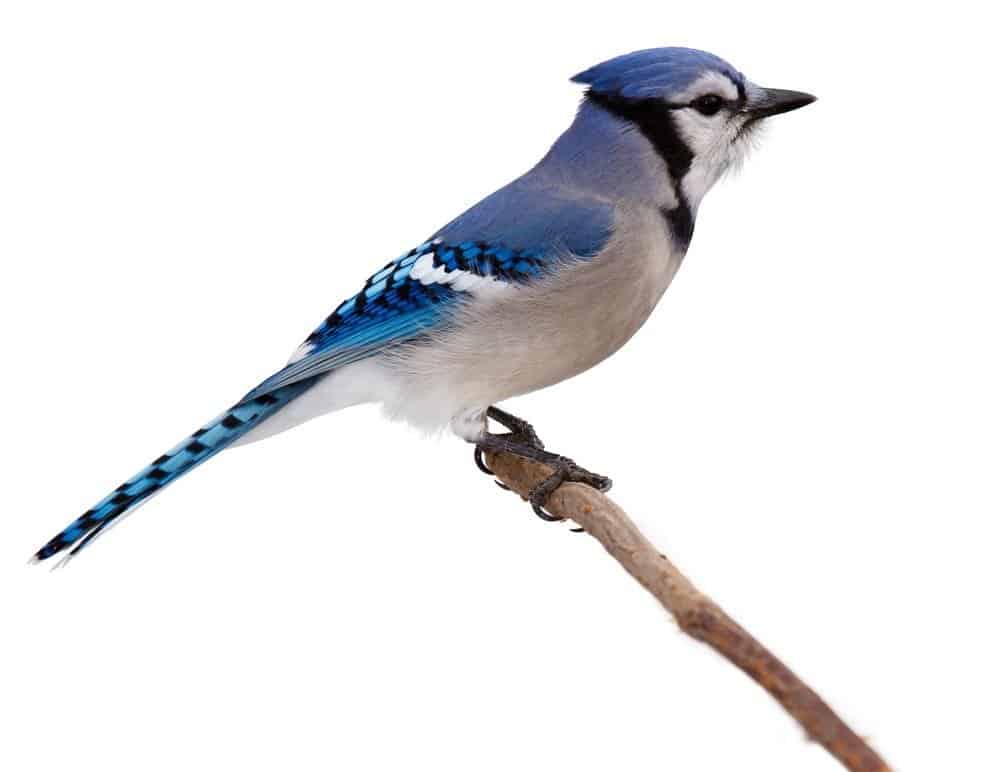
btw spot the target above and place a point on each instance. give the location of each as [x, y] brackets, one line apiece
[654, 72]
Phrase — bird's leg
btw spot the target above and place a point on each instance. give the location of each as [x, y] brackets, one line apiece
[524, 442]
[517, 426]
[520, 431]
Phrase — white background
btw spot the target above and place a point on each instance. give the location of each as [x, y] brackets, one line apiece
[808, 424]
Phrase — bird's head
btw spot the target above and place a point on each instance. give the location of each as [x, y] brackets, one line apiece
[699, 112]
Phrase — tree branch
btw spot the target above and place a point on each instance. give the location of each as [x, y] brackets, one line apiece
[696, 613]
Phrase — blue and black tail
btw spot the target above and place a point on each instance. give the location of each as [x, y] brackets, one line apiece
[214, 436]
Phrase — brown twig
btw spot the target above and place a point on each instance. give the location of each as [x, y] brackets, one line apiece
[696, 613]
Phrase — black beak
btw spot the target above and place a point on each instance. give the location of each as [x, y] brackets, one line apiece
[774, 101]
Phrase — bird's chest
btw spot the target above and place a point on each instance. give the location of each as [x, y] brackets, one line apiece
[623, 285]
[590, 310]
[541, 334]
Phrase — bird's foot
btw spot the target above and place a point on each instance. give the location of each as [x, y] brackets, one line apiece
[519, 428]
[521, 433]
[524, 442]
[566, 470]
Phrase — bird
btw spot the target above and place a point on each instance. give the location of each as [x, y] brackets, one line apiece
[536, 283]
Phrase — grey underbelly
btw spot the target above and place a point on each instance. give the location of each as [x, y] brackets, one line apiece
[540, 335]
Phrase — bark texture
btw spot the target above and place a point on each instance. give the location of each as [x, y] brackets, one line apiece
[697, 614]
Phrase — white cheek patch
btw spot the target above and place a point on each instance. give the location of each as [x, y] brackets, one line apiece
[698, 131]
[701, 133]
[709, 137]
[461, 281]
[713, 147]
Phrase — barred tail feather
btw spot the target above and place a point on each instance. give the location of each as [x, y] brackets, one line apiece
[213, 437]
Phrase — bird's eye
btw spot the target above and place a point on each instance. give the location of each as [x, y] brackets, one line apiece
[709, 104]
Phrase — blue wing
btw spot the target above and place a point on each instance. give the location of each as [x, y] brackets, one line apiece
[517, 235]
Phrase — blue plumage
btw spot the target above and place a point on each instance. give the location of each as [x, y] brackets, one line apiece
[519, 234]
[653, 73]
[196, 449]
[392, 307]
[616, 195]
[537, 212]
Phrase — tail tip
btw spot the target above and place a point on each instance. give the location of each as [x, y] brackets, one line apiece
[43, 554]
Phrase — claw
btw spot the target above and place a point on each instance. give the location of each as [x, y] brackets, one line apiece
[478, 456]
[543, 514]
[524, 442]
[601, 483]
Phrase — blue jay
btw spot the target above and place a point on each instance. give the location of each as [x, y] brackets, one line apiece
[536, 283]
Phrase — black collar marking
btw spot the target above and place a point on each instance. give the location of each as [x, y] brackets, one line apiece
[654, 120]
